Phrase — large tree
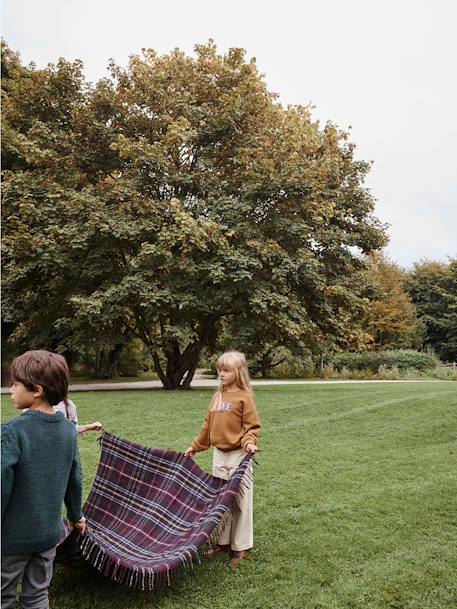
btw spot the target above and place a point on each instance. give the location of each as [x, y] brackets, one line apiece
[177, 194]
[39, 268]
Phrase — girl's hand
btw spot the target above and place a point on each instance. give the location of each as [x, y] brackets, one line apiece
[251, 448]
[97, 426]
[190, 452]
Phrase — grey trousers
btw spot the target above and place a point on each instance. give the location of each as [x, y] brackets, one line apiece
[36, 572]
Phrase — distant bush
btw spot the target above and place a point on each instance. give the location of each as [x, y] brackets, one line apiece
[294, 367]
[134, 359]
[443, 374]
[396, 360]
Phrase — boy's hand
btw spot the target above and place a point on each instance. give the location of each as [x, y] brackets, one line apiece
[251, 448]
[81, 525]
[190, 452]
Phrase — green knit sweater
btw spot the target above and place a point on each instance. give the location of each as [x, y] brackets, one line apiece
[40, 470]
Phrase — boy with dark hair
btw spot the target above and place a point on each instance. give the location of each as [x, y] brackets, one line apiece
[40, 470]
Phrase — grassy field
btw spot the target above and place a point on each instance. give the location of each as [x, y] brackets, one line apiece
[355, 499]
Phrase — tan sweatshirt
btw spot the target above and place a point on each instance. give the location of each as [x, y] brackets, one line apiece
[234, 423]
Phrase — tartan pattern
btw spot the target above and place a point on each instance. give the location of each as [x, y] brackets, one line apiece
[149, 512]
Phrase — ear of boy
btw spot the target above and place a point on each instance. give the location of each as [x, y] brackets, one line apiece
[38, 392]
[40, 401]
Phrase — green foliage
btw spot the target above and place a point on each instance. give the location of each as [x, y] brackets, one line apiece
[293, 366]
[433, 288]
[175, 197]
[134, 359]
[401, 359]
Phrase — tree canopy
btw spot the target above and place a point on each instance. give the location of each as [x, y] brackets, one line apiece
[174, 196]
[391, 316]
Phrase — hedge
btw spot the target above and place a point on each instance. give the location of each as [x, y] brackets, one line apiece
[402, 359]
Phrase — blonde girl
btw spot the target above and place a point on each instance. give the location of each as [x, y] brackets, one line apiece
[68, 409]
[232, 427]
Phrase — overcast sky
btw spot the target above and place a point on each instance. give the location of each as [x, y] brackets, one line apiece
[385, 67]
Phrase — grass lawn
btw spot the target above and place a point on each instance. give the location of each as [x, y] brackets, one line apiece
[355, 498]
[91, 380]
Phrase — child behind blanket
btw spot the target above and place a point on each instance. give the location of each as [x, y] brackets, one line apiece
[232, 427]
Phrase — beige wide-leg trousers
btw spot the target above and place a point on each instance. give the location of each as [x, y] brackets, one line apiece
[239, 530]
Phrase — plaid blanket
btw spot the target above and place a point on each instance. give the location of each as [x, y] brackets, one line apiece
[149, 513]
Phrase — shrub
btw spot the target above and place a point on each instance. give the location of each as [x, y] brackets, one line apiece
[294, 367]
[443, 374]
[401, 360]
[326, 372]
[134, 359]
[354, 375]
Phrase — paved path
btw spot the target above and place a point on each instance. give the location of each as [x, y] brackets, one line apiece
[204, 382]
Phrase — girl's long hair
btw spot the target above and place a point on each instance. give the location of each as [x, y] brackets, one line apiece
[234, 360]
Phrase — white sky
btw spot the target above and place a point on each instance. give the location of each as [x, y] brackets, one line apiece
[385, 67]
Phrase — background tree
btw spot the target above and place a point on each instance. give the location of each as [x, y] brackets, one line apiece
[433, 289]
[391, 317]
[177, 194]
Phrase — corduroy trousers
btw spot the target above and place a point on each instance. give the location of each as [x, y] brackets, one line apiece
[239, 529]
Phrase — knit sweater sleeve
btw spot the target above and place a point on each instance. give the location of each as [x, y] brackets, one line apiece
[11, 453]
[251, 423]
[73, 494]
[202, 441]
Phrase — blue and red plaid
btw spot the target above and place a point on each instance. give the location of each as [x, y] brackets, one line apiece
[149, 513]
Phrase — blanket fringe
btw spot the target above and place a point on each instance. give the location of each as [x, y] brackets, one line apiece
[143, 578]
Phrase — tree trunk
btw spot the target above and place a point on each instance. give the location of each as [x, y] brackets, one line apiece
[265, 365]
[180, 368]
[69, 358]
[158, 368]
[190, 373]
[113, 360]
[99, 357]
